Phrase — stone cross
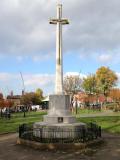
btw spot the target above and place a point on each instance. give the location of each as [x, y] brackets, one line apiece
[59, 21]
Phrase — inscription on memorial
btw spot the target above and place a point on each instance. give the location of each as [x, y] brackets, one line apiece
[60, 119]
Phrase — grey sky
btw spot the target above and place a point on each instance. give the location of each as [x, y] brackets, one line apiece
[24, 28]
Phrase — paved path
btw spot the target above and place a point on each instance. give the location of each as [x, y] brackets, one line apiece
[9, 150]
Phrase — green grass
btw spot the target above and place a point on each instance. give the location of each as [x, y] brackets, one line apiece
[108, 123]
[12, 125]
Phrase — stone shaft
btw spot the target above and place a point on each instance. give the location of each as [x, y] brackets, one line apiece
[59, 58]
[59, 21]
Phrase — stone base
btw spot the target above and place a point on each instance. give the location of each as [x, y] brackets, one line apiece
[38, 125]
[61, 119]
[63, 130]
[59, 110]
[59, 123]
[59, 105]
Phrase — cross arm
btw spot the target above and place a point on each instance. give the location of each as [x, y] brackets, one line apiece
[62, 21]
[53, 21]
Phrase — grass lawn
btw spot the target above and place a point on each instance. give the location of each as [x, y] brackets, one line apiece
[108, 123]
[12, 125]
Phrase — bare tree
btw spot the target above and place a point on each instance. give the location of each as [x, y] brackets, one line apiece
[72, 84]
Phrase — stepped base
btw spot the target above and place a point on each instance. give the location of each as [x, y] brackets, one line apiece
[54, 131]
[59, 123]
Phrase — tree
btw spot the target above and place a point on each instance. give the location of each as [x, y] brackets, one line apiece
[39, 92]
[106, 79]
[1, 105]
[38, 96]
[89, 84]
[5, 104]
[115, 94]
[1, 96]
[8, 103]
[27, 99]
[32, 98]
[72, 84]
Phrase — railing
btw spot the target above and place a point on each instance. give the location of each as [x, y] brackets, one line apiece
[50, 135]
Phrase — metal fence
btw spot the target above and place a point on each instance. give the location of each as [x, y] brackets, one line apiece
[52, 135]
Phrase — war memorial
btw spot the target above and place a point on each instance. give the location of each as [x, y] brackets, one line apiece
[59, 126]
[59, 115]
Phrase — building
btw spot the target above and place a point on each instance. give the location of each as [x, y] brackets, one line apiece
[84, 99]
[16, 99]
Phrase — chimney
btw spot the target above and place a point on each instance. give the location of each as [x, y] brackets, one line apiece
[23, 93]
[11, 93]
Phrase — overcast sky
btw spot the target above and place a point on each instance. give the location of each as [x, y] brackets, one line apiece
[27, 40]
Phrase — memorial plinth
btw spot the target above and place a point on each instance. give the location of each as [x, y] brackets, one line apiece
[58, 120]
[59, 110]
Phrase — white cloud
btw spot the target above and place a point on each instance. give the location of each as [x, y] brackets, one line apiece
[19, 58]
[38, 58]
[75, 74]
[24, 28]
[105, 58]
[9, 81]
[5, 77]
[39, 80]
[46, 82]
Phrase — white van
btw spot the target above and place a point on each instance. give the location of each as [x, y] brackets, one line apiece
[35, 107]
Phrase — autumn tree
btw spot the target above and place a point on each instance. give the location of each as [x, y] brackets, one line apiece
[38, 96]
[72, 84]
[1, 106]
[89, 84]
[32, 98]
[26, 99]
[39, 92]
[115, 94]
[8, 103]
[106, 79]
[1, 96]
